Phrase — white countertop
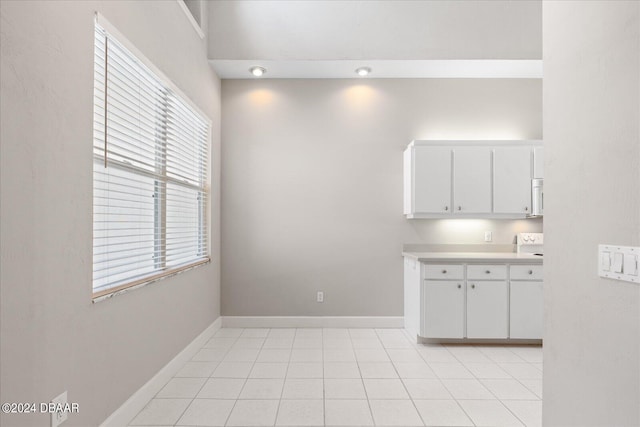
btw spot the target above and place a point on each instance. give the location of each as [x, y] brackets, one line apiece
[473, 256]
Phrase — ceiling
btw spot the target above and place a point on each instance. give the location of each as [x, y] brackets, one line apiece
[396, 38]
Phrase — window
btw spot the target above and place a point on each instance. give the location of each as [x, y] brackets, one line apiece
[150, 164]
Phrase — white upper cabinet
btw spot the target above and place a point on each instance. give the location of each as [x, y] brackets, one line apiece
[538, 162]
[432, 189]
[512, 180]
[472, 180]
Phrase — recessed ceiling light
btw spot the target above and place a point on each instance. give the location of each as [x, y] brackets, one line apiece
[257, 71]
[363, 71]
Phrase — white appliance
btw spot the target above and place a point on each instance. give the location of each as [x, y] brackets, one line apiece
[530, 243]
[537, 197]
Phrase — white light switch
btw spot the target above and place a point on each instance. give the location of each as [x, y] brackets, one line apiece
[619, 262]
[630, 264]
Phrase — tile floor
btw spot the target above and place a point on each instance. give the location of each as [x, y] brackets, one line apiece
[348, 377]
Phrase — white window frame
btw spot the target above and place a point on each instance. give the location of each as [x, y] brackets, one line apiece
[162, 271]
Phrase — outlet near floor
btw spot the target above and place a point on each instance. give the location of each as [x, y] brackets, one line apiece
[320, 296]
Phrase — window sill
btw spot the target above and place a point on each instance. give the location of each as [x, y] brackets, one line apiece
[110, 293]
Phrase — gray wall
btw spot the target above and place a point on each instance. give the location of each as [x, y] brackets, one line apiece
[53, 337]
[591, 129]
[312, 185]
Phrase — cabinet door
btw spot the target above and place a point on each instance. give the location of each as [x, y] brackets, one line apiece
[512, 180]
[432, 180]
[538, 162]
[472, 180]
[443, 309]
[527, 310]
[487, 309]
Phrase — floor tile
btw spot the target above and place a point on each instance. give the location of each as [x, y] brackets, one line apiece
[528, 411]
[303, 388]
[377, 370]
[466, 354]
[197, 369]
[532, 354]
[336, 333]
[161, 412]
[487, 413]
[229, 333]
[304, 370]
[414, 370]
[467, 389]
[451, 370]
[487, 371]
[339, 355]
[500, 354]
[344, 389]
[274, 355]
[269, 370]
[535, 386]
[309, 333]
[509, 390]
[442, 413]
[242, 355]
[207, 412]
[217, 342]
[522, 371]
[283, 343]
[404, 355]
[307, 343]
[371, 355]
[426, 389]
[341, 370]
[282, 333]
[233, 370]
[255, 333]
[362, 333]
[249, 413]
[395, 413]
[221, 388]
[398, 343]
[248, 343]
[385, 389]
[262, 389]
[181, 388]
[210, 355]
[366, 343]
[301, 413]
[347, 413]
[306, 355]
[337, 343]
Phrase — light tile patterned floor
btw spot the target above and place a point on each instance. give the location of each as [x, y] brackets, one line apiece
[349, 377]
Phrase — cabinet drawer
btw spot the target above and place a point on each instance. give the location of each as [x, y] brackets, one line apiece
[443, 271]
[526, 272]
[487, 272]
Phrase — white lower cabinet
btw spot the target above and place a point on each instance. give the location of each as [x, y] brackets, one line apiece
[487, 309]
[444, 309]
[475, 301]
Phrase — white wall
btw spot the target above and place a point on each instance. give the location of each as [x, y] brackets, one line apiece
[53, 337]
[387, 29]
[592, 166]
[312, 185]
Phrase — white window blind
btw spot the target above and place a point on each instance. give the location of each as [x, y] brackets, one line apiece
[150, 191]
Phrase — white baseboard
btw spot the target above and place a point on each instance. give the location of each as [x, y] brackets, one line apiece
[312, 321]
[129, 409]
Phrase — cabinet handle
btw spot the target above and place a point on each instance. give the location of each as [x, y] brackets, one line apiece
[488, 271]
[530, 271]
[473, 286]
[526, 208]
[459, 285]
[446, 208]
[459, 208]
[444, 271]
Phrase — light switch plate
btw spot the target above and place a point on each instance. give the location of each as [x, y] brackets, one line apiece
[619, 262]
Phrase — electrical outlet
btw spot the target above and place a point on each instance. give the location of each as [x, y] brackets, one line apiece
[320, 296]
[59, 415]
[488, 236]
